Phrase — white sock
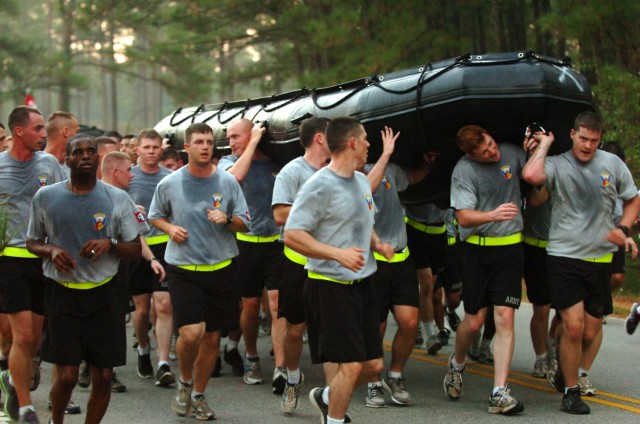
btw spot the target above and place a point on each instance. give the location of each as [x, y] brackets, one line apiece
[431, 328]
[293, 376]
[495, 389]
[541, 356]
[395, 374]
[457, 366]
[583, 371]
[143, 350]
[325, 395]
[23, 409]
[423, 330]
[194, 394]
[251, 356]
[334, 420]
[161, 363]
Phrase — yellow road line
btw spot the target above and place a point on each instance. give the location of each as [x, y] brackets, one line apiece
[524, 380]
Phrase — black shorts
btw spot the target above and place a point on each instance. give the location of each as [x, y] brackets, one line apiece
[22, 285]
[535, 275]
[395, 283]
[574, 280]
[342, 321]
[618, 263]
[142, 279]
[84, 325]
[427, 249]
[450, 278]
[492, 275]
[290, 298]
[207, 297]
[258, 266]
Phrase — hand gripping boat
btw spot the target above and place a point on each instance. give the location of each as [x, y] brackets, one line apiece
[502, 92]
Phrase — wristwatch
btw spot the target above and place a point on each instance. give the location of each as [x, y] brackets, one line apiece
[114, 242]
[229, 219]
[624, 229]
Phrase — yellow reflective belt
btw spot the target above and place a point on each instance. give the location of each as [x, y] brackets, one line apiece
[257, 239]
[206, 268]
[606, 259]
[451, 241]
[164, 238]
[316, 276]
[532, 241]
[429, 229]
[82, 285]
[495, 241]
[295, 256]
[18, 252]
[398, 257]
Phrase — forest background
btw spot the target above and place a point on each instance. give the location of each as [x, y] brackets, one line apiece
[125, 64]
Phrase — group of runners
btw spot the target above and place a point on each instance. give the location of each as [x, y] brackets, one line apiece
[325, 239]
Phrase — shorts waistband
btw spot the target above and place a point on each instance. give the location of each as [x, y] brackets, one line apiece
[17, 252]
[532, 241]
[294, 256]
[397, 257]
[82, 285]
[606, 259]
[317, 276]
[257, 239]
[429, 229]
[153, 240]
[451, 241]
[495, 241]
[206, 268]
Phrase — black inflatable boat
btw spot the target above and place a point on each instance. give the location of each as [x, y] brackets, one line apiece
[503, 92]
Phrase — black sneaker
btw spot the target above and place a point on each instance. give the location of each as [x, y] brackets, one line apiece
[315, 396]
[557, 382]
[452, 318]
[4, 364]
[572, 402]
[279, 381]
[11, 405]
[72, 407]
[145, 369]
[164, 376]
[233, 358]
[117, 386]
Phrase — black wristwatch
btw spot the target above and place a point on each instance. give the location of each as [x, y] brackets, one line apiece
[114, 242]
[229, 219]
[625, 230]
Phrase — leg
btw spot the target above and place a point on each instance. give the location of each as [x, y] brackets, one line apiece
[249, 323]
[63, 384]
[538, 327]
[425, 282]
[591, 340]
[164, 323]
[100, 394]
[188, 347]
[404, 339]
[141, 319]
[26, 328]
[293, 345]
[341, 388]
[469, 327]
[278, 326]
[206, 360]
[571, 342]
[503, 344]
[438, 307]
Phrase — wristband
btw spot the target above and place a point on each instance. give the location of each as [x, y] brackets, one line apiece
[625, 230]
[153, 259]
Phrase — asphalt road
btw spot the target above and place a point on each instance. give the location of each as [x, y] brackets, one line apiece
[615, 375]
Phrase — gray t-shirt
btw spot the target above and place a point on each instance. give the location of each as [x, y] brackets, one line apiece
[69, 220]
[288, 182]
[19, 182]
[183, 200]
[537, 220]
[258, 190]
[141, 190]
[389, 217]
[339, 212]
[426, 213]
[485, 186]
[585, 196]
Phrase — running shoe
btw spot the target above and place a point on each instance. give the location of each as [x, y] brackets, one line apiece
[201, 409]
[144, 369]
[315, 397]
[474, 350]
[72, 407]
[11, 406]
[117, 386]
[181, 404]
[164, 376]
[419, 338]
[452, 318]
[433, 344]
[289, 402]
[29, 417]
[453, 381]
[279, 380]
[503, 403]
[375, 397]
[252, 371]
[173, 354]
[572, 402]
[586, 388]
[486, 355]
[233, 358]
[552, 362]
[540, 368]
[631, 323]
[36, 372]
[443, 336]
[398, 389]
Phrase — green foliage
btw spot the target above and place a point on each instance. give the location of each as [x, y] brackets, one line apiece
[617, 95]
